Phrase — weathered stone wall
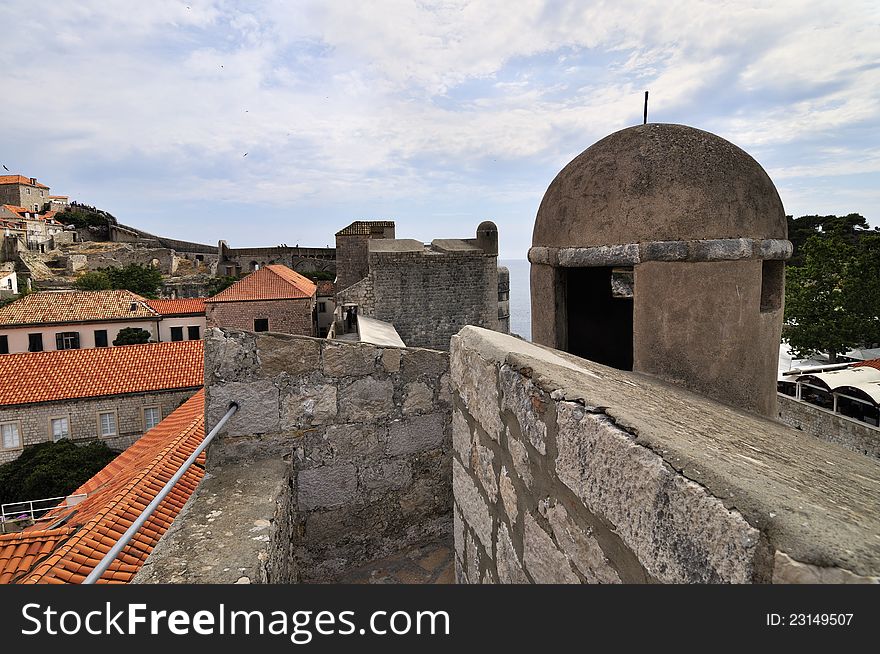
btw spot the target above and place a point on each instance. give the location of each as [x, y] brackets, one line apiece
[829, 426]
[82, 415]
[565, 471]
[285, 316]
[429, 296]
[23, 195]
[351, 259]
[165, 260]
[366, 429]
[300, 259]
[503, 300]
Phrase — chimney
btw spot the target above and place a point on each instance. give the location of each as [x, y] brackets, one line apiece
[34, 181]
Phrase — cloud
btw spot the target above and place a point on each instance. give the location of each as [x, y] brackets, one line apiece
[419, 103]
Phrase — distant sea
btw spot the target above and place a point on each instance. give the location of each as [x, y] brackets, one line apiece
[520, 302]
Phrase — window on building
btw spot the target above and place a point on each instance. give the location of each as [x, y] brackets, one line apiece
[4, 344]
[193, 332]
[107, 423]
[177, 333]
[322, 307]
[151, 417]
[35, 342]
[59, 428]
[100, 338]
[10, 436]
[67, 341]
[261, 324]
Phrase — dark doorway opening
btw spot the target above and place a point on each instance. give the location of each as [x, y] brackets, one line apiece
[600, 322]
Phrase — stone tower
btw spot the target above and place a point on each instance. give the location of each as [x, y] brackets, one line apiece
[661, 249]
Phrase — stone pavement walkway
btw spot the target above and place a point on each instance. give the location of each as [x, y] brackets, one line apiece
[429, 563]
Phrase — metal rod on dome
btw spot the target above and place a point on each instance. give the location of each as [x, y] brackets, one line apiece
[646, 109]
[101, 568]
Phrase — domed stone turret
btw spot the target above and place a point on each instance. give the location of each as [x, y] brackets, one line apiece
[660, 249]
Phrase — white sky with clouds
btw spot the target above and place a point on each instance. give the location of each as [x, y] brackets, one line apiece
[437, 115]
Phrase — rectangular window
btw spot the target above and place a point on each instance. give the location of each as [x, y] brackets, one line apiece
[100, 338]
[35, 342]
[59, 428]
[107, 423]
[10, 436]
[67, 341]
[193, 332]
[4, 344]
[261, 324]
[177, 333]
[151, 417]
[322, 307]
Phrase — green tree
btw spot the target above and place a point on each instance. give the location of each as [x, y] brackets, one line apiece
[132, 336]
[819, 297]
[142, 280]
[51, 470]
[96, 280]
[863, 298]
[850, 228]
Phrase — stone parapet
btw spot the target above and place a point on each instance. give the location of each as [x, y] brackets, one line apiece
[365, 431]
[566, 471]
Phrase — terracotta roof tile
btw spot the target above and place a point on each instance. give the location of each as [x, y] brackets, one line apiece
[871, 363]
[116, 496]
[19, 179]
[179, 307]
[67, 374]
[19, 552]
[326, 288]
[363, 227]
[75, 306]
[274, 282]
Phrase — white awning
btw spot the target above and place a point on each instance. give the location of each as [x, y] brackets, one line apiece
[847, 376]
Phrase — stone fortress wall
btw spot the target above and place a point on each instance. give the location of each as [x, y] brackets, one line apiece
[566, 471]
[833, 427]
[342, 449]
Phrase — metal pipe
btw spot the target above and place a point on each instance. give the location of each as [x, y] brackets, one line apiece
[101, 568]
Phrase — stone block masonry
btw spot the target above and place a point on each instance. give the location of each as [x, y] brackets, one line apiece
[829, 426]
[286, 316]
[565, 471]
[428, 296]
[364, 430]
[82, 415]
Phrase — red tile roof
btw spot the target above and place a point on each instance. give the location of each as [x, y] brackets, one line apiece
[20, 179]
[179, 307]
[20, 552]
[69, 374]
[326, 288]
[363, 227]
[116, 496]
[871, 363]
[75, 306]
[274, 282]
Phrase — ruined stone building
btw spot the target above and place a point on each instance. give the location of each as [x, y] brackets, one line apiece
[542, 463]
